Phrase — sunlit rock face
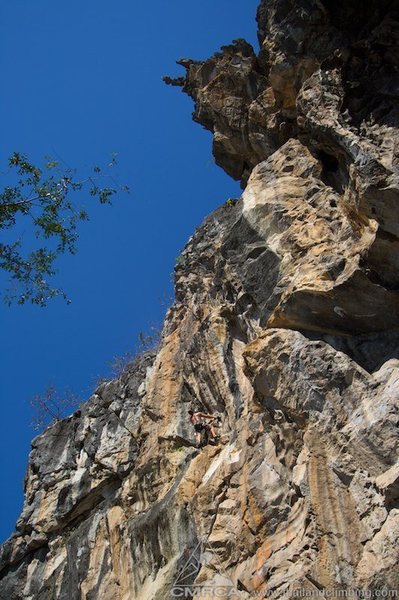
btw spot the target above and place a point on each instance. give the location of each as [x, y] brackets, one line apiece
[285, 322]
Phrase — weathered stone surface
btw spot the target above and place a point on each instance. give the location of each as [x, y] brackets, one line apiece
[285, 322]
[321, 248]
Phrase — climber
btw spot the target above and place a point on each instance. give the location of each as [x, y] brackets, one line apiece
[203, 421]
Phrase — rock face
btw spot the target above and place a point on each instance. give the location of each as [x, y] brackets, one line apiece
[286, 323]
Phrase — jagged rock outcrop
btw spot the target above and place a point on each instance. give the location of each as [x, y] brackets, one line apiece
[320, 104]
[285, 322]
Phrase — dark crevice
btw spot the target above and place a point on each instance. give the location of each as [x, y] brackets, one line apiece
[355, 23]
[392, 504]
[370, 352]
[241, 587]
[345, 478]
[334, 170]
[382, 261]
[330, 163]
[256, 252]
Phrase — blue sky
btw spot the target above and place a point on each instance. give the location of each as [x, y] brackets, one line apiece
[82, 80]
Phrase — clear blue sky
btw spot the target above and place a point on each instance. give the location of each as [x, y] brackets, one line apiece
[83, 79]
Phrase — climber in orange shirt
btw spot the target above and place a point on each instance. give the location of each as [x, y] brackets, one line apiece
[202, 421]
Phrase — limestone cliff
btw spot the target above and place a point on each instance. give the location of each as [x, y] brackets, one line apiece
[285, 322]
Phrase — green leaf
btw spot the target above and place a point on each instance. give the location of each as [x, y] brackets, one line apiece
[48, 203]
